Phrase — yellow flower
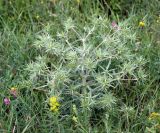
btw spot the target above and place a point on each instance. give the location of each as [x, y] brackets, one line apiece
[154, 115]
[53, 99]
[54, 108]
[13, 89]
[74, 118]
[54, 105]
[141, 24]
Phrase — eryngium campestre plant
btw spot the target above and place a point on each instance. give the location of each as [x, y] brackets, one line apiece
[87, 67]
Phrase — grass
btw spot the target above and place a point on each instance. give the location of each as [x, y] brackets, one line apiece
[49, 48]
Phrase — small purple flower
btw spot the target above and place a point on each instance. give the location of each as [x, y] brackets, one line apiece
[7, 101]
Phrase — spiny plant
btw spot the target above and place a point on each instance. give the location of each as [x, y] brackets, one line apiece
[88, 69]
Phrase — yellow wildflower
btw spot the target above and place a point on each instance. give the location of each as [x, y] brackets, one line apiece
[141, 24]
[54, 105]
[13, 89]
[53, 99]
[74, 118]
[154, 115]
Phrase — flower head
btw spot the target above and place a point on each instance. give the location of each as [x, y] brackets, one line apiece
[13, 91]
[141, 24]
[7, 101]
[154, 115]
[54, 105]
[115, 26]
[74, 118]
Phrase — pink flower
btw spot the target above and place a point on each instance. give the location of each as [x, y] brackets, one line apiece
[7, 101]
[115, 25]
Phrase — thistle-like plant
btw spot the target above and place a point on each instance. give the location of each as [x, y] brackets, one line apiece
[86, 66]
